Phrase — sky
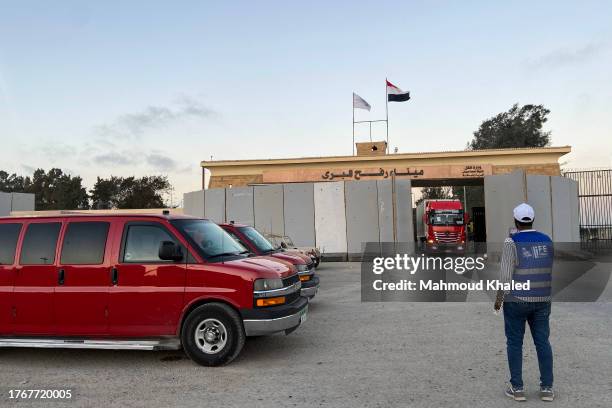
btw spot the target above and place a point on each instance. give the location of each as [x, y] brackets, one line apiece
[140, 88]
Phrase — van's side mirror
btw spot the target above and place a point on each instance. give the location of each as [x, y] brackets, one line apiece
[169, 251]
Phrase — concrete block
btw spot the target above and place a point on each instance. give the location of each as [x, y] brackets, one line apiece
[214, 204]
[502, 194]
[565, 210]
[193, 203]
[361, 216]
[539, 197]
[239, 205]
[299, 212]
[268, 207]
[5, 204]
[330, 218]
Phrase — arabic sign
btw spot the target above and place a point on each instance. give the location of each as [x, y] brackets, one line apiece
[380, 173]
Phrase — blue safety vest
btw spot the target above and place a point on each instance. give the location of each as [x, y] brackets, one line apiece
[534, 252]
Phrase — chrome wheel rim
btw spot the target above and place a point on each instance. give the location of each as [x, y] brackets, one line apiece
[211, 336]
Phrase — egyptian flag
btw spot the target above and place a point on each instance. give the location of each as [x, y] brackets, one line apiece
[394, 94]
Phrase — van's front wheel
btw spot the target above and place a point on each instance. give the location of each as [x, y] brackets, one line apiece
[212, 334]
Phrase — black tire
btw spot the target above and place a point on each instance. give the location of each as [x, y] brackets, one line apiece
[219, 318]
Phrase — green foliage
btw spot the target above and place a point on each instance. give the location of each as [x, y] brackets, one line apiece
[518, 127]
[434, 193]
[55, 190]
[130, 192]
[12, 183]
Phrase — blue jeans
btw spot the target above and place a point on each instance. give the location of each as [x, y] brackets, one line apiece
[537, 315]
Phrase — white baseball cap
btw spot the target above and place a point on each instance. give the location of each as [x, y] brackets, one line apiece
[524, 213]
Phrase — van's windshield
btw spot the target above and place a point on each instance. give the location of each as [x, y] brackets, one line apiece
[260, 242]
[210, 240]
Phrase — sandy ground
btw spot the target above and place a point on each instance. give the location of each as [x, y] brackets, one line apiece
[348, 354]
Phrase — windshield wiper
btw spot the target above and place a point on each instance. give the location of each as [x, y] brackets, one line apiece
[227, 254]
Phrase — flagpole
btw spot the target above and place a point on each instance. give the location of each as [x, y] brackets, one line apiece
[387, 113]
[353, 127]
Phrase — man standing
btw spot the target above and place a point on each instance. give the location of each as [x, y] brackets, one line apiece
[527, 258]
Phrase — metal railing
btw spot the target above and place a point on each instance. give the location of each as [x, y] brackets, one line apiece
[595, 199]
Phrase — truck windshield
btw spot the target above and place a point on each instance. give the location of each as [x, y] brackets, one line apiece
[454, 217]
[209, 239]
[259, 241]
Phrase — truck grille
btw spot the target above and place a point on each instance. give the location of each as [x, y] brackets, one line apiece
[290, 280]
[447, 237]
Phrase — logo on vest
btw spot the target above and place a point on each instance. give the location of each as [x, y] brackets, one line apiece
[535, 251]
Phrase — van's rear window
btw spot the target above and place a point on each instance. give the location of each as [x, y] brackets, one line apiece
[84, 243]
[9, 234]
[40, 243]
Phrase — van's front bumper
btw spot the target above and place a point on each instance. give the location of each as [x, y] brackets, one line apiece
[275, 319]
[310, 288]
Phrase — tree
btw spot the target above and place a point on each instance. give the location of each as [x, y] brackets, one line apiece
[55, 190]
[104, 193]
[518, 127]
[12, 183]
[434, 193]
[130, 192]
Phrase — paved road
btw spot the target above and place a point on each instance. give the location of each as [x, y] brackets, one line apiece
[349, 354]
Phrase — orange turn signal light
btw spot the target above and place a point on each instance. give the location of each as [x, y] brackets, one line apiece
[273, 301]
[305, 278]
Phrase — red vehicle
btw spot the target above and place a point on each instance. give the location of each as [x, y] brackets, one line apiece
[441, 225]
[140, 282]
[259, 245]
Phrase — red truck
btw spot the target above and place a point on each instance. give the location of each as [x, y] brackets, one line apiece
[256, 243]
[140, 282]
[441, 226]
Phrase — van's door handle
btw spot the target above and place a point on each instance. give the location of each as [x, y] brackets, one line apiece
[114, 276]
[60, 277]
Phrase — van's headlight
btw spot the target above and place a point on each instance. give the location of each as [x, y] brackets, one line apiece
[268, 284]
[302, 268]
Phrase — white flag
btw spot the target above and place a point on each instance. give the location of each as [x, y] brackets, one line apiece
[360, 103]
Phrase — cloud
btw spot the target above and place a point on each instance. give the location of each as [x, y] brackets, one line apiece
[57, 150]
[161, 162]
[116, 159]
[155, 116]
[566, 57]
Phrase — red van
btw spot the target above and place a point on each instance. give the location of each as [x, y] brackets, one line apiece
[140, 282]
[257, 244]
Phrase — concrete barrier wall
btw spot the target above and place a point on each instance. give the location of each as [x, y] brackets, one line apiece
[338, 217]
[214, 205]
[502, 194]
[16, 202]
[553, 198]
[330, 218]
[538, 196]
[362, 215]
[299, 212]
[269, 209]
[193, 203]
[239, 205]
[403, 211]
[384, 197]
[565, 210]
[5, 204]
